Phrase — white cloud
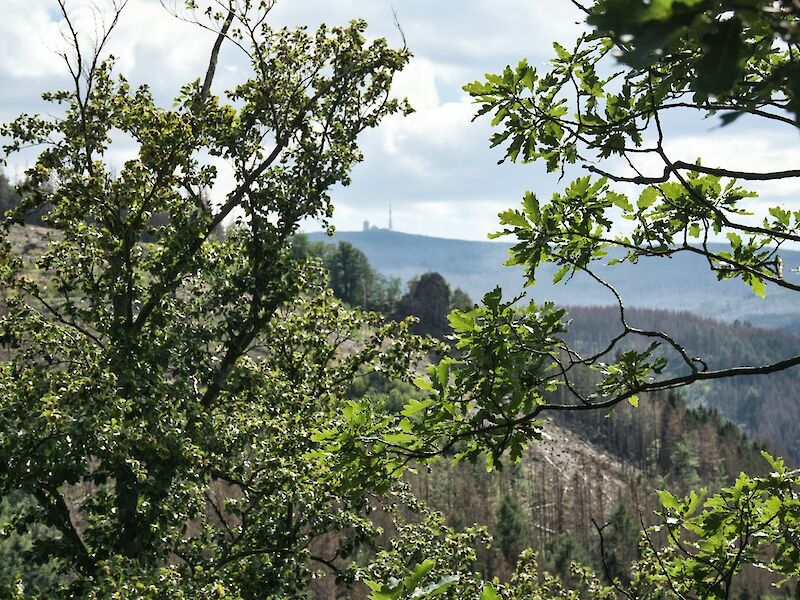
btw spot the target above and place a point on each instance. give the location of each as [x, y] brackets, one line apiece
[419, 139]
[754, 151]
[435, 166]
[476, 31]
[30, 38]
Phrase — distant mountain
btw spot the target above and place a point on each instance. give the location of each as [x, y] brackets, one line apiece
[682, 283]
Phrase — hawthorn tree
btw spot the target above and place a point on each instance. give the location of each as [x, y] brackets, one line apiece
[160, 403]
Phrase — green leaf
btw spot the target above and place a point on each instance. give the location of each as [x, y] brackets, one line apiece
[620, 200]
[735, 239]
[420, 572]
[559, 275]
[424, 384]
[719, 66]
[492, 299]
[668, 500]
[758, 286]
[415, 406]
[513, 217]
[436, 588]
[530, 205]
[400, 439]
[489, 593]
[443, 372]
[561, 52]
[461, 321]
[647, 198]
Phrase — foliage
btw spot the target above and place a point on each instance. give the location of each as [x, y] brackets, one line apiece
[10, 201]
[351, 277]
[530, 583]
[447, 568]
[181, 418]
[410, 586]
[574, 113]
[698, 56]
[710, 539]
[503, 370]
[490, 399]
[350, 274]
[15, 546]
[717, 44]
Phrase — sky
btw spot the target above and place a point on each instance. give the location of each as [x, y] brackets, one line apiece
[435, 167]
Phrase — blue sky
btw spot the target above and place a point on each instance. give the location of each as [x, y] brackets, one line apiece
[435, 166]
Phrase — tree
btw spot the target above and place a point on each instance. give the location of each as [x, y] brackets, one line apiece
[162, 405]
[575, 114]
[8, 198]
[509, 528]
[351, 276]
[428, 298]
[620, 542]
[460, 300]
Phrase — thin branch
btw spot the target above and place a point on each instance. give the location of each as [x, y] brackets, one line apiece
[606, 570]
[684, 166]
[661, 564]
[53, 503]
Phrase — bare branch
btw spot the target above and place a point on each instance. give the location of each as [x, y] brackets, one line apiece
[212, 61]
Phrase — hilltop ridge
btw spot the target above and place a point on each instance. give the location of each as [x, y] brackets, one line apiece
[681, 283]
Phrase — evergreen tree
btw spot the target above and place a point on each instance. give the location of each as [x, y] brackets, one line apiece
[351, 277]
[460, 300]
[428, 299]
[8, 196]
[621, 542]
[509, 528]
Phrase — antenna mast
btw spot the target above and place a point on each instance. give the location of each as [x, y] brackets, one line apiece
[390, 215]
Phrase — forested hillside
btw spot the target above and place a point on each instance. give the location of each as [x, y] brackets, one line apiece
[600, 466]
[593, 467]
[765, 407]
